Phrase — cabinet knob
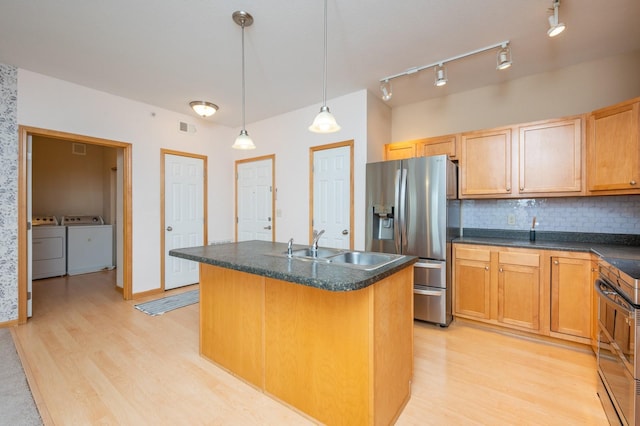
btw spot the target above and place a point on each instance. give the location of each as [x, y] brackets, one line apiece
[522, 188]
[486, 268]
[500, 270]
[633, 182]
[508, 189]
[555, 262]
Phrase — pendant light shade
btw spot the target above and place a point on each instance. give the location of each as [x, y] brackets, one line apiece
[243, 141]
[203, 108]
[324, 122]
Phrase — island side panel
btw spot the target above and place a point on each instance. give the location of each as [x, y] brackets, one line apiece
[231, 321]
[393, 347]
[318, 348]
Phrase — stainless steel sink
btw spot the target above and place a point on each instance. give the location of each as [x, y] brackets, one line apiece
[321, 253]
[366, 261]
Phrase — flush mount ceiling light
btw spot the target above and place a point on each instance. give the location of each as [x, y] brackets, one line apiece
[441, 75]
[504, 62]
[385, 88]
[504, 58]
[555, 27]
[324, 122]
[243, 141]
[203, 108]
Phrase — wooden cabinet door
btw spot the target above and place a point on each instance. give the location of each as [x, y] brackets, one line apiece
[437, 146]
[571, 296]
[485, 163]
[613, 148]
[519, 290]
[472, 283]
[550, 157]
[399, 150]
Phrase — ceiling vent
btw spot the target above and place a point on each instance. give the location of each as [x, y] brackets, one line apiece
[186, 127]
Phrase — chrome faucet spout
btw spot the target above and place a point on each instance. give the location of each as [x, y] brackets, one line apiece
[290, 247]
[314, 243]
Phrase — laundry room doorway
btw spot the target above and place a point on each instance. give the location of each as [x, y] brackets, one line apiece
[52, 185]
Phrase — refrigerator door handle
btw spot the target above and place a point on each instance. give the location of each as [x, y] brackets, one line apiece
[403, 210]
[396, 228]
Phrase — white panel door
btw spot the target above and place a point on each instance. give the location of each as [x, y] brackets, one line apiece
[184, 216]
[255, 205]
[332, 196]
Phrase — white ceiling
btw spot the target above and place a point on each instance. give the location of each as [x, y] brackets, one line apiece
[167, 53]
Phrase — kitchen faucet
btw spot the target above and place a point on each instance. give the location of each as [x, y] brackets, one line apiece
[314, 243]
[290, 247]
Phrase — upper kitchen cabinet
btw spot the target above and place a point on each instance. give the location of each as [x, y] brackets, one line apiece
[613, 149]
[546, 156]
[399, 150]
[485, 164]
[422, 148]
[550, 157]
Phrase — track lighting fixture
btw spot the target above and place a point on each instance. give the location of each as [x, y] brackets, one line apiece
[385, 88]
[324, 122]
[203, 108]
[504, 58]
[555, 27]
[440, 70]
[243, 141]
[441, 75]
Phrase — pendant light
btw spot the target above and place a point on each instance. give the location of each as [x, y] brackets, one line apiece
[243, 141]
[324, 122]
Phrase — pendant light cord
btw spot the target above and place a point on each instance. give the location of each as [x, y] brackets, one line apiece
[324, 74]
[243, 89]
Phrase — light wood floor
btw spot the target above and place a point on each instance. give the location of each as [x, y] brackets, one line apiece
[94, 359]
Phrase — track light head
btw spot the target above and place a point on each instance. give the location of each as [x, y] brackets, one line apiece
[440, 75]
[504, 57]
[555, 27]
[385, 88]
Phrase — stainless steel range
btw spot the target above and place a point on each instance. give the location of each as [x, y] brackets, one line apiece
[618, 293]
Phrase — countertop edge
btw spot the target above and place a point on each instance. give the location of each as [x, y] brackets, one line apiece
[302, 272]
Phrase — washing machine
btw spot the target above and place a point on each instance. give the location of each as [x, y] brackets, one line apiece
[48, 248]
[89, 244]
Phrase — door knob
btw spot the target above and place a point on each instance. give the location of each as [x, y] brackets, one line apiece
[267, 227]
[345, 232]
[169, 228]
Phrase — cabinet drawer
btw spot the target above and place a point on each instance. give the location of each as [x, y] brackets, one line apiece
[517, 258]
[473, 254]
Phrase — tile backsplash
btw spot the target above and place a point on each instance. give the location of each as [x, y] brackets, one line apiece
[607, 215]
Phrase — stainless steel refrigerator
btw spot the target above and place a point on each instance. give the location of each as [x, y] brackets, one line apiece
[412, 208]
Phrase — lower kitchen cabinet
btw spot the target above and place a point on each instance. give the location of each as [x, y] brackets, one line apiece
[544, 292]
[571, 295]
[497, 285]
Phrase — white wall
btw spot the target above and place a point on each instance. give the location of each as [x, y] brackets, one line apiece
[287, 136]
[573, 90]
[48, 103]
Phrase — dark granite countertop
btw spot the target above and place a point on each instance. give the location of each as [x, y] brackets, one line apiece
[603, 245]
[255, 257]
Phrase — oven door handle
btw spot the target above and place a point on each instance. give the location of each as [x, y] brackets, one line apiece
[606, 296]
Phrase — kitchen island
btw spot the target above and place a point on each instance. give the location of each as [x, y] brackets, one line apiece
[332, 341]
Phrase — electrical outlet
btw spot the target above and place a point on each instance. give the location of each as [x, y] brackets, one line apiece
[511, 219]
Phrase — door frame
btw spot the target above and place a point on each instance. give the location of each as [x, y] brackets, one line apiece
[163, 154]
[271, 157]
[312, 151]
[23, 134]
